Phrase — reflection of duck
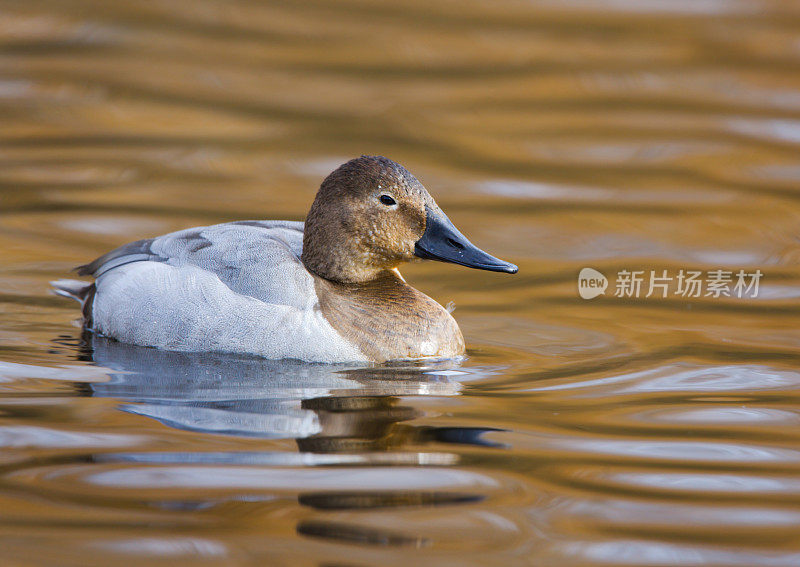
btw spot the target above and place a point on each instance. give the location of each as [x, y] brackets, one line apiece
[327, 290]
[339, 415]
[326, 408]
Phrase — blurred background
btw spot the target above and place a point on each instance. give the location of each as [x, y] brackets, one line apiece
[619, 135]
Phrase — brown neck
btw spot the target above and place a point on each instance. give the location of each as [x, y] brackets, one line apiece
[388, 319]
[338, 263]
[342, 259]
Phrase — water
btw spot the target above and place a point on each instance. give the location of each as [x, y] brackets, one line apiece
[648, 135]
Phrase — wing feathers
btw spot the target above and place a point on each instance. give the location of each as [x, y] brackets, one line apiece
[132, 252]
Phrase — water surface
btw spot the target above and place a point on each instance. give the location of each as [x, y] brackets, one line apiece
[648, 135]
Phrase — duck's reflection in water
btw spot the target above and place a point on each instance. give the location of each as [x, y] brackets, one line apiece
[338, 415]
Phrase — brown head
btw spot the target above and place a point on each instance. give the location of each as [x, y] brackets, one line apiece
[371, 214]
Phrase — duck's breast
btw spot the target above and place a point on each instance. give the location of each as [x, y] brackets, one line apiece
[388, 320]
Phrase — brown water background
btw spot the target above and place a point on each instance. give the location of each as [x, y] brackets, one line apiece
[642, 135]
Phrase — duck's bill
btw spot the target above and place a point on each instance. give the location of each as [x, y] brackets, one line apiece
[442, 241]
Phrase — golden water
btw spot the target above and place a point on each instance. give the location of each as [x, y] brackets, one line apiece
[642, 135]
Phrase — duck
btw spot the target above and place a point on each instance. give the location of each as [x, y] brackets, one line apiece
[327, 290]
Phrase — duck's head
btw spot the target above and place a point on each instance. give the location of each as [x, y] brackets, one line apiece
[371, 215]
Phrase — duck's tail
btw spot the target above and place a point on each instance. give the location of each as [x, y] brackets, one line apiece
[82, 292]
[74, 289]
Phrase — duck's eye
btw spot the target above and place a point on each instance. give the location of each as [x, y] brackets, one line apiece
[387, 200]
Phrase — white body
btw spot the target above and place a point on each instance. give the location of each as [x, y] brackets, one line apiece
[235, 287]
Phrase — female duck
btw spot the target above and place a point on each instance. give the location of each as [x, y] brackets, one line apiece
[326, 291]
